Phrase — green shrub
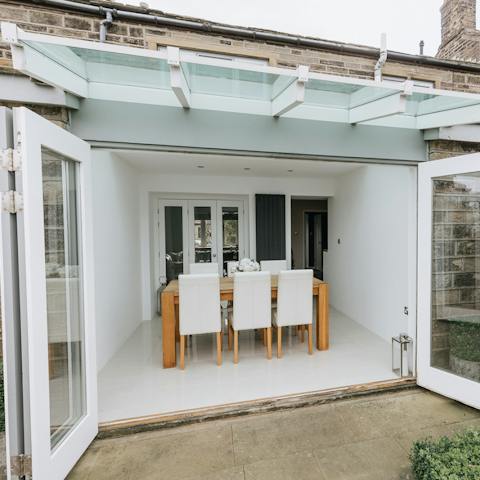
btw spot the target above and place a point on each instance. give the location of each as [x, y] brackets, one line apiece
[456, 458]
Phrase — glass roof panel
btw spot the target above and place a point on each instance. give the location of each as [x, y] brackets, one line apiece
[230, 82]
[109, 67]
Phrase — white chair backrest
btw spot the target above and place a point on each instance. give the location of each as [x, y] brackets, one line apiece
[202, 268]
[273, 266]
[199, 304]
[230, 268]
[252, 300]
[294, 298]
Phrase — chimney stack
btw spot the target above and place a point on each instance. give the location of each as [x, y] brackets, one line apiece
[460, 38]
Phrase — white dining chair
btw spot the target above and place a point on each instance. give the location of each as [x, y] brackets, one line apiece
[231, 267]
[294, 304]
[251, 308]
[201, 268]
[199, 309]
[273, 266]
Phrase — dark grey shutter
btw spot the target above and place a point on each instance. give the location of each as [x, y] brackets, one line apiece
[270, 227]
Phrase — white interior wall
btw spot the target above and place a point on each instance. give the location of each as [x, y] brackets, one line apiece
[216, 185]
[368, 271]
[117, 252]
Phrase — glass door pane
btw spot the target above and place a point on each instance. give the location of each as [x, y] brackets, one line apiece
[202, 234]
[203, 227]
[455, 330]
[63, 281]
[230, 236]
[173, 242]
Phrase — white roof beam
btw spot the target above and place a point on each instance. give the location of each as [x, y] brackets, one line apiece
[291, 96]
[458, 133]
[448, 118]
[385, 106]
[178, 82]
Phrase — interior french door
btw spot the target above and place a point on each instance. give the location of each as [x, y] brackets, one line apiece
[448, 334]
[202, 226]
[55, 251]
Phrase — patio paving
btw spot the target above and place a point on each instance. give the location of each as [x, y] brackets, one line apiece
[366, 437]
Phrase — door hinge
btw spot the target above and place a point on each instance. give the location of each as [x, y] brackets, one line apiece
[10, 159]
[12, 201]
[21, 465]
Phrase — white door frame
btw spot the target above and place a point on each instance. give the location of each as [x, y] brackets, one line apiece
[31, 133]
[440, 381]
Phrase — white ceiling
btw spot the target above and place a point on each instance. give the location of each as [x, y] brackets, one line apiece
[230, 165]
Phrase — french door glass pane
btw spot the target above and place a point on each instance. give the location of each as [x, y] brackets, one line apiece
[203, 234]
[230, 235]
[173, 242]
[64, 294]
[456, 275]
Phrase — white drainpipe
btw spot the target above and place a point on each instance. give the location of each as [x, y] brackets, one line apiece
[382, 59]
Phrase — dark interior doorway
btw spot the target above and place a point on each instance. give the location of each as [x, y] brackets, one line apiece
[316, 241]
[309, 233]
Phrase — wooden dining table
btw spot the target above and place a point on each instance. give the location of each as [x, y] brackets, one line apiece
[170, 301]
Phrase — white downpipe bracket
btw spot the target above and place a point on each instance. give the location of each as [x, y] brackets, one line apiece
[382, 59]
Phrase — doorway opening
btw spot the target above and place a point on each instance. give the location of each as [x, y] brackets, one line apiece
[309, 233]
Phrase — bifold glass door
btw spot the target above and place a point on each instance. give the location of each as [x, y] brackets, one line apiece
[56, 300]
[449, 278]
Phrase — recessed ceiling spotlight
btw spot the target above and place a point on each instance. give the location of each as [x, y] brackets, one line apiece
[247, 169]
[289, 171]
[200, 166]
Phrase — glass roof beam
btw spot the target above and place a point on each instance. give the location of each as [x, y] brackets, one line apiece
[178, 82]
[291, 96]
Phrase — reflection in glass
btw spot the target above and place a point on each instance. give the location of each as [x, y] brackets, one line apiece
[230, 235]
[173, 242]
[456, 275]
[203, 234]
[64, 294]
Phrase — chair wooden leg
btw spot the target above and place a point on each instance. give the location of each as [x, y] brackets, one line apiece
[235, 346]
[310, 339]
[219, 348]
[279, 342]
[230, 335]
[265, 340]
[182, 351]
[269, 343]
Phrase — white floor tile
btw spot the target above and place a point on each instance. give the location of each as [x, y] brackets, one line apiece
[134, 384]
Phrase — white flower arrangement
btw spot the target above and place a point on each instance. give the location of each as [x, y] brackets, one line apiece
[248, 265]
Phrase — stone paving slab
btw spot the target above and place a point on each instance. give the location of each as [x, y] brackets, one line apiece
[367, 437]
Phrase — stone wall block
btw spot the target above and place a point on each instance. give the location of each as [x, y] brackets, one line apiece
[46, 18]
[79, 23]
